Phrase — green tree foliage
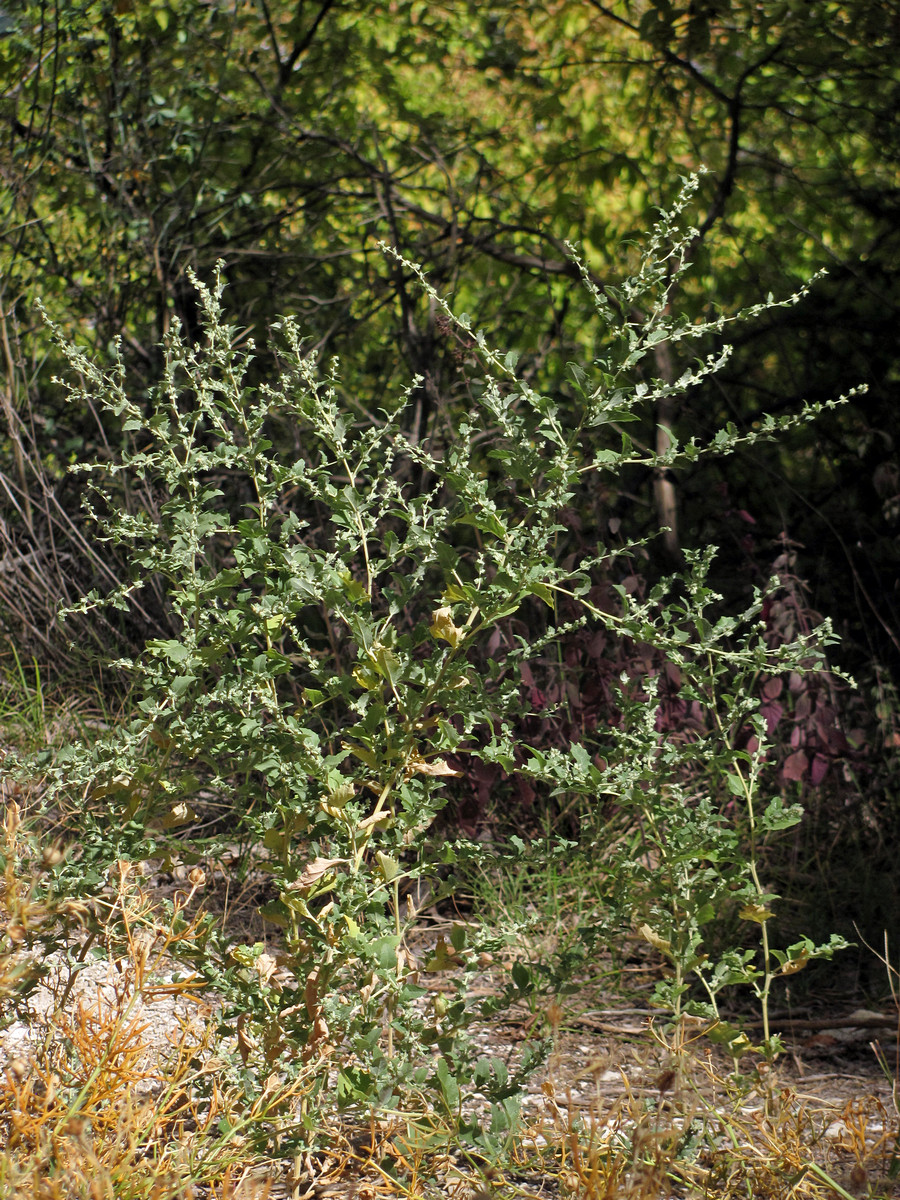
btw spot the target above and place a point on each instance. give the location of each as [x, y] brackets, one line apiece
[147, 138]
[793, 108]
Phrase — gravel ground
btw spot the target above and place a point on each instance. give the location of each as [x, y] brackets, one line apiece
[603, 1070]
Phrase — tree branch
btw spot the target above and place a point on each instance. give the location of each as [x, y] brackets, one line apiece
[288, 64]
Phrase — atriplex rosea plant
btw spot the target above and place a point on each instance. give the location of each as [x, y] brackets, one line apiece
[697, 794]
[328, 607]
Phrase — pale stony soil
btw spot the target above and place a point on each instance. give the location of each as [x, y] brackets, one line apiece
[605, 1073]
[603, 1070]
[102, 988]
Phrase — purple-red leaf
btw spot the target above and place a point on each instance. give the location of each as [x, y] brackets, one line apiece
[795, 767]
[772, 713]
[772, 688]
[818, 770]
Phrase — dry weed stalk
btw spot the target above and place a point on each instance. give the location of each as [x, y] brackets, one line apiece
[92, 1108]
[24, 910]
[701, 1131]
[46, 554]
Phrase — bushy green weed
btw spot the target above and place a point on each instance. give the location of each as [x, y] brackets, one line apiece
[322, 687]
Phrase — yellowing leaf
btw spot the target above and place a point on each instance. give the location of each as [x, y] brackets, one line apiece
[265, 967]
[276, 912]
[342, 794]
[739, 1045]
[178, 814]
[121, 783]
[442, 627]
[377, 820]
[363, 753]
[314, 871]
[366, 678]
[651, 936]
[755, 912]
[793, 965]
[416, 765]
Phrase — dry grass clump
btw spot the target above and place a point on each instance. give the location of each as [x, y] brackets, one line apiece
[93, 1101]
[683, 1125]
